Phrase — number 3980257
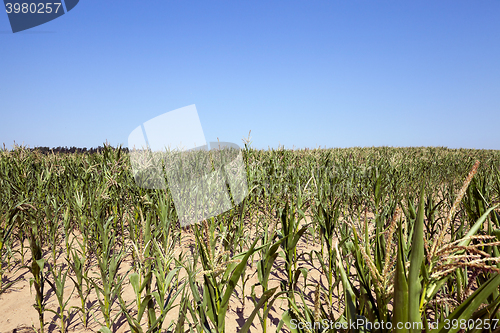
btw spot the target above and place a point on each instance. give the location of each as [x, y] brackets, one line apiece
[33, 8]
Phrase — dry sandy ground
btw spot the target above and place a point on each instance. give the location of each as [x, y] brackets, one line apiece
[18, 315]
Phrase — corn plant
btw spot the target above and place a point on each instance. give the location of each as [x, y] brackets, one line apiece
[37, 270]
[220, 278]
[81, 282]
[58, 287]
[436, 260]
[327, 220]
[307, 319]
[291, 233]
[264, 267]
[168, 287]
[108, 262]
[5, 232]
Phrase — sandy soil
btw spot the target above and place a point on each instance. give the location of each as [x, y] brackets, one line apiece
[18, 315]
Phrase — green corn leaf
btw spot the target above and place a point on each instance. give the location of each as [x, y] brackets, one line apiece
[416, 259]
[470, 305]
[171, 275]
[475, 228]
[400, 306]
[349, 293]
[234, 279]
[265, 297]
[143, 306]
[41, 263]
[286, 318]
[134, 281]
[132, 322]
[293, 244]
[211, 299]
[104, 329]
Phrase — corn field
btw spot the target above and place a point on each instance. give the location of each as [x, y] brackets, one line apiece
[325, 238]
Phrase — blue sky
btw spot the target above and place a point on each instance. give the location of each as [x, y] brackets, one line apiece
[296, 73]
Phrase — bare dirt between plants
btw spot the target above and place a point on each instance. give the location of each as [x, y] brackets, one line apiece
[17, 314]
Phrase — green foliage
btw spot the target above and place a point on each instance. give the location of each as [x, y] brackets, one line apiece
[336, 210]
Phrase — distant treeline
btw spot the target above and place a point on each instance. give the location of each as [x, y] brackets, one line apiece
[72, 150]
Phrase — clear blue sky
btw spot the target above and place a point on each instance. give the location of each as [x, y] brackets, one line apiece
[301, 73]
